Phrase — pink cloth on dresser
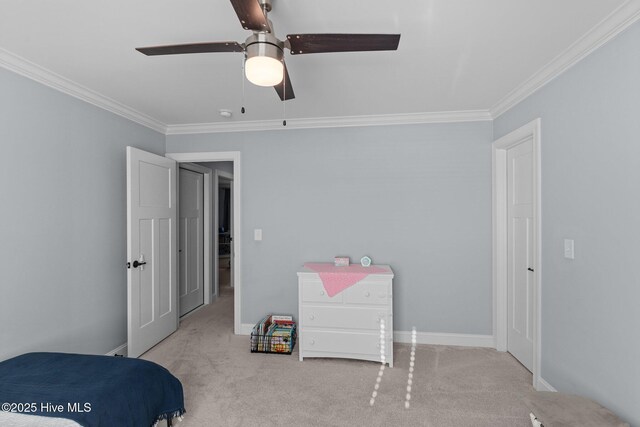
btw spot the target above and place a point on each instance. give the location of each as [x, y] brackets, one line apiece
[337, 279]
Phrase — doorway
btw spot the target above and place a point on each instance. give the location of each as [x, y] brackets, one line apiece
[236, 256]
[225, 230]
[516, 249]
[153, 221]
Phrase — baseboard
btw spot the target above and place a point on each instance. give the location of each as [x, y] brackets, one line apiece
[435, 338]
[544, 386]
[121, 351]
[462, 340]
[246, 328]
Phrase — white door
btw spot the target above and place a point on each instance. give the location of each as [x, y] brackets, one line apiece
[152, 313]
[520, 215]
[191, 282]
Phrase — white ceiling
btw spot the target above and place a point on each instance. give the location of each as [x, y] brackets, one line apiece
[454, 55]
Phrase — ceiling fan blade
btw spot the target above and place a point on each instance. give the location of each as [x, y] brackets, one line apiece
[284, 88]
[191, 48]
[251, 15]
[322, 43]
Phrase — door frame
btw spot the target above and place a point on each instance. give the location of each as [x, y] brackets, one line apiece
[206, 229]
[216, 183]
[499, 150]
[226, 156]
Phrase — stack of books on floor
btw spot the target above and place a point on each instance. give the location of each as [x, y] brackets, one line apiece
[274, 334]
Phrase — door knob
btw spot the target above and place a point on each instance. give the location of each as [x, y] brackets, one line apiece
[530, 269]
[140, 262]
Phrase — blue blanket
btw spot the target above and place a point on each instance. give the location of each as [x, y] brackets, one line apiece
[91, 390]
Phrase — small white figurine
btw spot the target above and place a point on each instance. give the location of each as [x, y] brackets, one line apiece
[365, 261]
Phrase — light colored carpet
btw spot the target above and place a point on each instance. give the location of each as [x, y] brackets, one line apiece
[226, 385]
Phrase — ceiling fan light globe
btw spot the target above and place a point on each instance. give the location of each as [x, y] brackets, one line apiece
[264, 70]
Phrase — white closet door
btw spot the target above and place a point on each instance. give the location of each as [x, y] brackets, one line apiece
[520, 252]
[191, 241]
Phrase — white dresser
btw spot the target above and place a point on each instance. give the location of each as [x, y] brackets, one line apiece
[346, 325]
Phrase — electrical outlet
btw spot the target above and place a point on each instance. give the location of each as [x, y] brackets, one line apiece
[257, 234]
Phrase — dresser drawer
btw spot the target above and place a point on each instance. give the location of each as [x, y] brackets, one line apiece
[343, 317]
[341, 342]
[313, 291]
[366, 292]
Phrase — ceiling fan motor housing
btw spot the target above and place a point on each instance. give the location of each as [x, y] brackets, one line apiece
[264, 44]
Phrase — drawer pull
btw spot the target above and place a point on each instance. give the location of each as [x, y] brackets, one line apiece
[312, 342]
[321, 292]
[367, 294]
[311, 317]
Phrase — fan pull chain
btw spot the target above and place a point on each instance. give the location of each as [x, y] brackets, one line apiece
[242, 110]
[284, 101]
[284, 110]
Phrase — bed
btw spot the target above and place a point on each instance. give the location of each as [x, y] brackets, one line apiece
[71, 390]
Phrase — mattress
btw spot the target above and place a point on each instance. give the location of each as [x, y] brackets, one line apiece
[22, 420]
[14, 419]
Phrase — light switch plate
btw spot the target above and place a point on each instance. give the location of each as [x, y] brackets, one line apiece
[569, 252]
[257, 234]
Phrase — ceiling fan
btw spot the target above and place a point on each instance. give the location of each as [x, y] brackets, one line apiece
[264, 52]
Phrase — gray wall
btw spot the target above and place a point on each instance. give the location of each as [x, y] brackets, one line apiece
[416, 197]
[62, 222]
[590, 193]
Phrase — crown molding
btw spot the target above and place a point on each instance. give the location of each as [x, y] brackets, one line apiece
[48, 78]
[617, 21]
[333, 122]
[28, 69]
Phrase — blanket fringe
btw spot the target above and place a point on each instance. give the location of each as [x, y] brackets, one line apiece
[169, 415]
